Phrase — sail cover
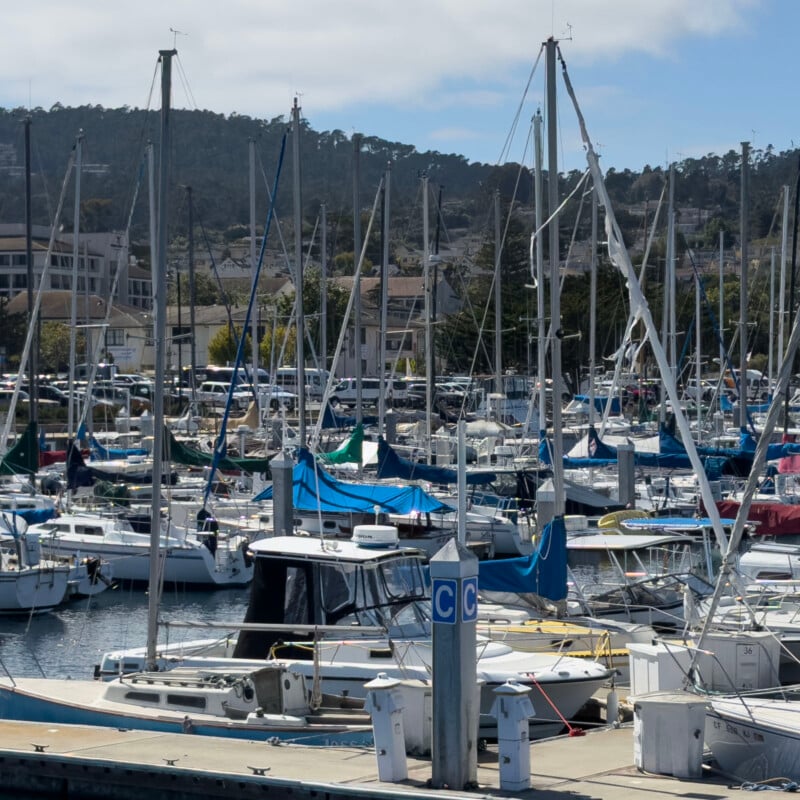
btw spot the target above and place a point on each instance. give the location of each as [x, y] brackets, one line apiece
[317, 490]
[544, 572]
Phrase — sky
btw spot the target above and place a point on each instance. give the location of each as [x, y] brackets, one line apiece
[656, 80]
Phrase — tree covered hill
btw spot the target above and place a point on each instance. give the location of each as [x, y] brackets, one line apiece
[210, 153]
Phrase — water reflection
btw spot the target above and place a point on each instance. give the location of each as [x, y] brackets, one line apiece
[69, 641]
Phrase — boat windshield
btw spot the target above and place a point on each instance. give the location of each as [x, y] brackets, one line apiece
[391, 594]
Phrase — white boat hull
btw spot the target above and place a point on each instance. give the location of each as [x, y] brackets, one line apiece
[755, 739]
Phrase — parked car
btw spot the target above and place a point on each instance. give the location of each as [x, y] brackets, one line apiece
[346, 391]
[215, 393]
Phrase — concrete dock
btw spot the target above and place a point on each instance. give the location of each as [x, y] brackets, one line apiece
[88, 762]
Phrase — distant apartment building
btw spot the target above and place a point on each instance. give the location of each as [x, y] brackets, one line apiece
[103, 264]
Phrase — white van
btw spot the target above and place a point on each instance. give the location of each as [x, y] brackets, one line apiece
[346, 391]
[316, 381]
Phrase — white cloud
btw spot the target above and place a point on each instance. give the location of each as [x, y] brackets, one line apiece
[253, 57]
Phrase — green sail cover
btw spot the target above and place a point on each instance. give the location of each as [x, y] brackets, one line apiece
[350, 452]
[23, 457]
[181, 454]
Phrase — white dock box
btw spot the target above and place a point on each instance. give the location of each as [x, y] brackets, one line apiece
[668, 733]
[658, 667]
[732, 661]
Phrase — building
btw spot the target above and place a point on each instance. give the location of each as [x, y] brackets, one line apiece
[102, 260]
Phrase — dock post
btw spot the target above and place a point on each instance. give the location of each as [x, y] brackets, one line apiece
[627, 477]
[456, 709]
[282, 468]
[512, 709]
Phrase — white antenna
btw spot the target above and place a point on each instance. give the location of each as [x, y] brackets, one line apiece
[175, 34]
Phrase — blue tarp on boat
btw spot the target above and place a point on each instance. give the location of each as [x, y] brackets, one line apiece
[544, 572]
[330, 419]
[102, 453]
[315, 489]
[392, 465]
[600, 403]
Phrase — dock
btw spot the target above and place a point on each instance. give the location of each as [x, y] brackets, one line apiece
[86, 762]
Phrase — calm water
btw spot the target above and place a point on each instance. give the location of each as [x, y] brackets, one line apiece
[68, 642]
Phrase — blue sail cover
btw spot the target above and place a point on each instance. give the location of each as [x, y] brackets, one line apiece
[102, 453]
[544, 572]
[330, 419]
[317, 490]
[392, 465]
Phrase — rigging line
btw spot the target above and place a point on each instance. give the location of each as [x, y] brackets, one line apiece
[185, 81]
[345, 320]
[277, 219]
[221, 444]
[509, 138]
[498, 260]
[223, 294]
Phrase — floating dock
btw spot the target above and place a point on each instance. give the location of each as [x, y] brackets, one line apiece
[91, 762]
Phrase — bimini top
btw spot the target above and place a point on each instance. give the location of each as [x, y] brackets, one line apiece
[312, 548]
[685, 524]
[604, 542]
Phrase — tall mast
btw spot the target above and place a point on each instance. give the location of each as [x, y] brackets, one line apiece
[253, 286]
[73, 317]
[782, 284]
[426, 280]
[192, 295]
[743, 294]
[298, 258]
[323, 288]
[541, 331]
[384, 303]
[593, 309]
[357, 274]
[498, 311]
[159, 342]
[33, 367]
[555, 299]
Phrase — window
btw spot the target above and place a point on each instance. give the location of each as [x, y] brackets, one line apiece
[115, 337]
[20, 281]
[143, 697]
[5, 260]
[19, 260]
[187, 700]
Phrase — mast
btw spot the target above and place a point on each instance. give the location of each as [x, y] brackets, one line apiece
[743, 294]
[721, 306]
[192, 296]
[357, 276]
[669, 342]
[298, 259]
[771, 320]
[539, 279]
[253, 287]
[159, 342]
[384, 304]
[33, 368]
[426, 273]
[593, 309]
[698, 371]
[782, 284]
[323, 288]
[498, 311]
[73, 318]
[555, 299]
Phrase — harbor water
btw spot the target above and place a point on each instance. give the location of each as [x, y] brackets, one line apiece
[68, 642]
